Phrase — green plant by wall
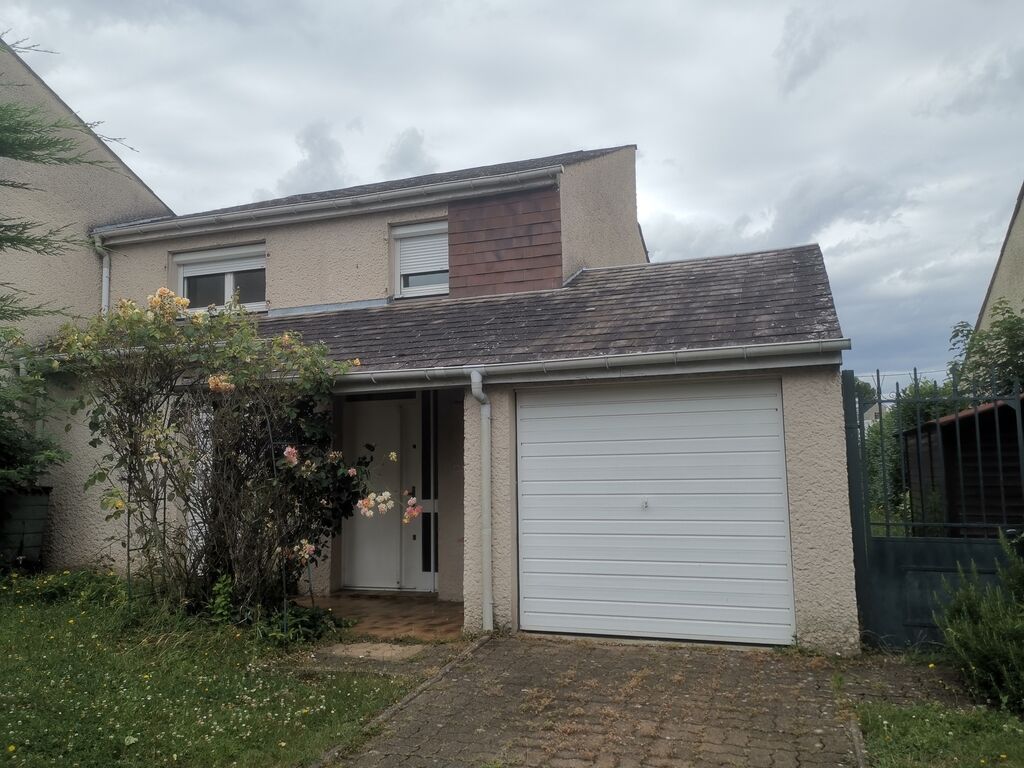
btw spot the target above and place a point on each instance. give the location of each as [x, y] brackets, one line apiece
[983, 626]
[26, 451]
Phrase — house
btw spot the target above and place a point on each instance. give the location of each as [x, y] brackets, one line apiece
[602, 445]
[1007, 280]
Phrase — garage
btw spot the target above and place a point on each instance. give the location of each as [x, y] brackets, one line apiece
[655, 511]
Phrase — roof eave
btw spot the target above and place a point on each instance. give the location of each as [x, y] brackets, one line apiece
[708, 360]
[293, 213]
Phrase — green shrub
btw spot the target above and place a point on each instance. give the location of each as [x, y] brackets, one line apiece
[983, 626]
[149, 613]
[83, 587]
[297, 624]
[222, 606]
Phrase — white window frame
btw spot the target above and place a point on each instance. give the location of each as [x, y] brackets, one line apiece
[239, 258]
[400, 232]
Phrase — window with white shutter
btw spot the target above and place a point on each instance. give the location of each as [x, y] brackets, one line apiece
[421, 256]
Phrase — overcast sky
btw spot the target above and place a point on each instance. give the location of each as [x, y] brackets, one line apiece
[888, 132]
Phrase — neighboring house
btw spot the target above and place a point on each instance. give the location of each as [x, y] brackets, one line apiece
[76, 197]
[1008, 277]
[603, 445]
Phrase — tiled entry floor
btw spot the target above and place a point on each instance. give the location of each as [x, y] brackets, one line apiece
[390, 615]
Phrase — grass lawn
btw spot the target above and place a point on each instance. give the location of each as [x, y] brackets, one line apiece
[84, 683]
[932, 736]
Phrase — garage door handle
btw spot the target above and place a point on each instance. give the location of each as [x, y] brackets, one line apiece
[643, 504]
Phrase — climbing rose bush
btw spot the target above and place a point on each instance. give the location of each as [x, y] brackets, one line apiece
[217, 448]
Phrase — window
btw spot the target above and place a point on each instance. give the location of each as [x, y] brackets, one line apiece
[421, 256]
[208, 278]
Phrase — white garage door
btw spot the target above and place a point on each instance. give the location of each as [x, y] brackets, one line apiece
[655, 511]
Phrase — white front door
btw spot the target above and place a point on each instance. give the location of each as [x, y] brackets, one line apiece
[381, 552]
[370, 545]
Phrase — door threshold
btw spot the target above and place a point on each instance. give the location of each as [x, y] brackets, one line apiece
[379, 592]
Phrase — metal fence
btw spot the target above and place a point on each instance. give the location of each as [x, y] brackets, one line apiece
[940, 459]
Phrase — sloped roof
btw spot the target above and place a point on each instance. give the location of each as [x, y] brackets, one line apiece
[483, 171]
[768, 297]
[999, 262]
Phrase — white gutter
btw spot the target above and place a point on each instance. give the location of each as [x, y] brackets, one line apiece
[323, 209]
[822, 352]
[476, 380]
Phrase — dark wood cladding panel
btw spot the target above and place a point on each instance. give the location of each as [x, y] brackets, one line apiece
[505, 244]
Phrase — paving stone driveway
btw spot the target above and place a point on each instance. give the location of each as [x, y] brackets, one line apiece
[530, 701]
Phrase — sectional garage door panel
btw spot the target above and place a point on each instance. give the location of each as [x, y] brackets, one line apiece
[655, 511]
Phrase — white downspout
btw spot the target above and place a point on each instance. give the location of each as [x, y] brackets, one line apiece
[477, 381]
[97, 244]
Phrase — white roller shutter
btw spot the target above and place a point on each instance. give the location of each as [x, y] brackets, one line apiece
[655, 511]
[426, 253]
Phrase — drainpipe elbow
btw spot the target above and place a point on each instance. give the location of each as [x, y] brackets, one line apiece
[476, 381]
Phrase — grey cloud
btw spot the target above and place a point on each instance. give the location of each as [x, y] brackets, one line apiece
[808, 40]
[817, 201]
[92, 12]
[321, 166]
[407, 156]
[808, 207]
[993, 81]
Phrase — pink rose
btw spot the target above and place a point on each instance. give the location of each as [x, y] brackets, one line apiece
[352, 472]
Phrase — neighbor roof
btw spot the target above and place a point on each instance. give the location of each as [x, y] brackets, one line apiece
[483, 171]
[769, 297]
[1002, 253]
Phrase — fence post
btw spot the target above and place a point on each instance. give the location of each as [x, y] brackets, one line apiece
[855, 480]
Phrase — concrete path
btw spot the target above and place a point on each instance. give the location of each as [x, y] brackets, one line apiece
[531, 701]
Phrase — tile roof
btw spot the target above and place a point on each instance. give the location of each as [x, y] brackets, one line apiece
[757, 298]
[483, 171]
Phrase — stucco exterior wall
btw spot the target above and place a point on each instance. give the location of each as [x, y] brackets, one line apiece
[503, 511]
[1008, 278]
[821, 539]
[77, 533]
[819, 509]
[599, 224]
[324, 262]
